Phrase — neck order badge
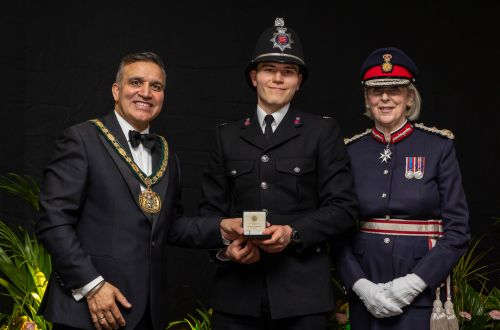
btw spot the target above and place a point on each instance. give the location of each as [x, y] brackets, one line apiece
[149, 201]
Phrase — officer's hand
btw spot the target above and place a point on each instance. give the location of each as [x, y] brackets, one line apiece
[403, 290]
[375, 299]
[242, 251]
[103, 309]
[231, 229]
[280, 238]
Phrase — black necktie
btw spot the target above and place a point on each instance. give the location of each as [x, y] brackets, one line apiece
[147, 140]
[268, 131]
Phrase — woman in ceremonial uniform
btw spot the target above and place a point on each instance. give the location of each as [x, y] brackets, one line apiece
[413, 211]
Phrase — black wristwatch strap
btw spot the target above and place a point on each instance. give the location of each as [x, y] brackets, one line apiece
[295, 239]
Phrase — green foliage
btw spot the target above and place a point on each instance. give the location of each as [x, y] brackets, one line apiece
[24, 264]
[469, 273]
[202, 322]
[24, 187]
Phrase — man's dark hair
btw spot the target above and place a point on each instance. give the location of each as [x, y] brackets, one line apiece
[138, 57]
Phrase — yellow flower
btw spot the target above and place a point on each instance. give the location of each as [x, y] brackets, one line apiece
[28, 325]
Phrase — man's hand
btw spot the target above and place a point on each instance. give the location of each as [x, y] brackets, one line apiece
[280, 238]
[242, 251]
[103, 309]
[231, 229]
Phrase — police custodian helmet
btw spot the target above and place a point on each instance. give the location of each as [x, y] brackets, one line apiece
[387, 67]
[278, 44]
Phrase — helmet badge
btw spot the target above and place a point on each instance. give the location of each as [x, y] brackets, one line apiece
[387, 65]
[281, 39]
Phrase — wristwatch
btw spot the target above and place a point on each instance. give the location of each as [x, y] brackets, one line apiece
[295, 236]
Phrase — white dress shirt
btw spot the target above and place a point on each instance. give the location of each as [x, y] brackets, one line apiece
[278, 117]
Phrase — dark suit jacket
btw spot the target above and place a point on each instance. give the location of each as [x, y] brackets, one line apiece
[302, 178]
[92, 225]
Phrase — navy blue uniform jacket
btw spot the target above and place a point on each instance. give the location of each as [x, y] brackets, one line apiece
[383, 190]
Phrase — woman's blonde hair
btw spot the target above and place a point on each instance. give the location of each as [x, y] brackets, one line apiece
[412, 113]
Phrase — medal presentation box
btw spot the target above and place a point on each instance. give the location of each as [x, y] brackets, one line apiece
[254, 223]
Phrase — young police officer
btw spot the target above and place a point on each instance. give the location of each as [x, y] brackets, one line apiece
[294, 166]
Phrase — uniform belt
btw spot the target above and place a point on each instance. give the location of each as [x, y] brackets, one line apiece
[426, 228]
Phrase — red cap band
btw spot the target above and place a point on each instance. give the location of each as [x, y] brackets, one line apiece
[397, 71]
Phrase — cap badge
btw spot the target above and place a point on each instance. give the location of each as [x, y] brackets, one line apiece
[387, 65]
[281, 39]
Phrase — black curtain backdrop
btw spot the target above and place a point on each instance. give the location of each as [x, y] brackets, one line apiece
[58, 62]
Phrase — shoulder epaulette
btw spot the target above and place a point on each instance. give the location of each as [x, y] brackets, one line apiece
[357, 136]
[443, 132]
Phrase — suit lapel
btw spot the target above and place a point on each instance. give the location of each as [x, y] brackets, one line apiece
[286, 130]
[161, 187]
[133, 184]
[252, 132]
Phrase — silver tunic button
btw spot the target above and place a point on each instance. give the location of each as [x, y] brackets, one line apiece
[387, 240]
[384, 195]
[264, 158]
[318, 249]
[386, 172]
[263, 185]
[296, 169]
[233, 172]
[387, 217]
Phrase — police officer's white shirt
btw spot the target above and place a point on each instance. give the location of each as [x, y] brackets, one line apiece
[142, 157]
[278, 117]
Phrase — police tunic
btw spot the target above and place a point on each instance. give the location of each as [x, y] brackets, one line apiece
[302, 178]
[416, 177]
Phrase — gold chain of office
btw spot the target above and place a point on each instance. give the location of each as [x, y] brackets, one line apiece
[149, 201]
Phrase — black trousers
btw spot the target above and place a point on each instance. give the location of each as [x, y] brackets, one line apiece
[144, 324]
[223, 321]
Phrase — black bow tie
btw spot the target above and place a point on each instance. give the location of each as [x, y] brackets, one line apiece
[147, 140]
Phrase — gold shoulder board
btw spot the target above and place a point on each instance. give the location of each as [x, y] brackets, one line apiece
[356, 137]
[443, 132]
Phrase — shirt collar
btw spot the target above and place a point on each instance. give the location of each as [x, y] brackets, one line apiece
[125, 126]
[278, 115]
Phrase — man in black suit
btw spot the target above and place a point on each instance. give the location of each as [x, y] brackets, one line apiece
[110, 203]
[294, 166]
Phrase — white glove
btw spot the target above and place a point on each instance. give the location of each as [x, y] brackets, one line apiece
[402, 290]
[373, 296]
